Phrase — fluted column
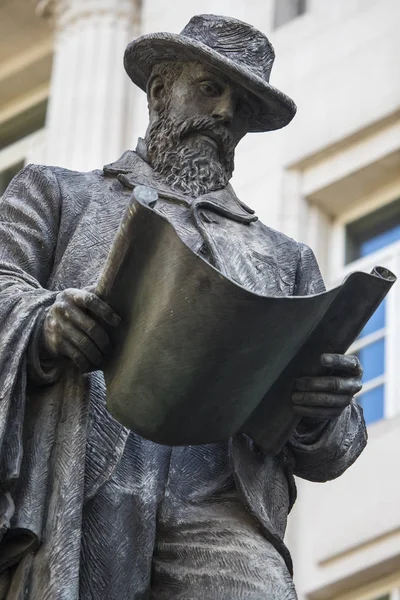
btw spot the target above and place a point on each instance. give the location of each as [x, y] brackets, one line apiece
[91, 100]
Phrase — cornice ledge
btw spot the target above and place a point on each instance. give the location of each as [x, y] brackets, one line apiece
[45, 8]
[65, 12]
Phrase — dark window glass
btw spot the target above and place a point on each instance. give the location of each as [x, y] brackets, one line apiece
[372, 358]
[23, 124]
[372, 403]
[286, 10]
[376, 322]
[373, 232]
[364, 237]
[8, 174]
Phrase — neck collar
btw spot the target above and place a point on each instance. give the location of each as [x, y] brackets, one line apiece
[132, 169]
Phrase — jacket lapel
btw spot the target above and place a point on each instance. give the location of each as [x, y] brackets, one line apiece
[132, 170]
[237, 243]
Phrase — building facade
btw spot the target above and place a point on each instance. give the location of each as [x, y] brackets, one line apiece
[331, 179]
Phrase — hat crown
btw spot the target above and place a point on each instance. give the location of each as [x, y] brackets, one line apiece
[240, 51]
[235, 40]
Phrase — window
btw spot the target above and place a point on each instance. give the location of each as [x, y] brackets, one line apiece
[373, 232]
[376, 590]
[374, 239]
[286, 10]
[23, 124]
[19, 137]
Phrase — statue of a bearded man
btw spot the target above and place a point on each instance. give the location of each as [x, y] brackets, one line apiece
[89, 509]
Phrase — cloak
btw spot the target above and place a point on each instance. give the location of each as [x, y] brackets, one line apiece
[58, 443]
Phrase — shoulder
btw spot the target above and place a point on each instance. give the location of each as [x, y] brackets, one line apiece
[283, 242]
[63, 175]
[283, 245]
[65, 191]
[33, 175]
[75, 187]
[32, 185]
[294, 258]
[48, 175]
[285, 250]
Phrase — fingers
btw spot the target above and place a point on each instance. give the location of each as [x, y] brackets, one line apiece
[78, 358]
[68, 329]
[316, 412]
[98, 308]
[344, 363]
[77, 346]
[311, 399]
[90, 327]
[327, 396]
[336, 385]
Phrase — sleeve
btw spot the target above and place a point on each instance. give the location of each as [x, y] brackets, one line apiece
[29, 222]
[42, 435]
[323, 450]
[308, 276]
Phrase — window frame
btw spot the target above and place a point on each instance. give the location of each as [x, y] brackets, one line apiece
[389, 257]
[23, 150]
[338, 227]
[374, 591]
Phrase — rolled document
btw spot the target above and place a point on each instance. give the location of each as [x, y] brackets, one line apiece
[198, 357]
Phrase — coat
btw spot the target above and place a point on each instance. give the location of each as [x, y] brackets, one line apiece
[58, 443]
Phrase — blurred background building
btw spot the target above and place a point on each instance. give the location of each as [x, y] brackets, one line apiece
[331, 179]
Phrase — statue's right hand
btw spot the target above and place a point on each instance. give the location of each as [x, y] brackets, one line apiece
[75, 327]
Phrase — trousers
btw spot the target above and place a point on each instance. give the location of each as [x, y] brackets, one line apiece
[176, 530]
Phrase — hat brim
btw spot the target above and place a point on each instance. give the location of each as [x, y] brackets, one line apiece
[273, 110]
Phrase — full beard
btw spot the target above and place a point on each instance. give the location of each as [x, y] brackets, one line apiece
[186, 163]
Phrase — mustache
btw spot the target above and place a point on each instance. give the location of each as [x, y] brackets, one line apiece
[204, 123]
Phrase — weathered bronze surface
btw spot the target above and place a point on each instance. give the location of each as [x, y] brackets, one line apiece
[204, 336]
[88, 508]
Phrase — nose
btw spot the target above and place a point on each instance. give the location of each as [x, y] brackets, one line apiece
[224, 108]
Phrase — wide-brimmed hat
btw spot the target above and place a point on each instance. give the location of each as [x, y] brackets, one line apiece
[237, 49]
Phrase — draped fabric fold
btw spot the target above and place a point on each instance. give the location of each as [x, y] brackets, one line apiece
[59, 447]
[42, 432]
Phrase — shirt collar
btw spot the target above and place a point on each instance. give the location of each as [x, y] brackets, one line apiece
[132, 169]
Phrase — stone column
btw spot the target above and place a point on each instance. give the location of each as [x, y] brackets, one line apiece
[89, 120]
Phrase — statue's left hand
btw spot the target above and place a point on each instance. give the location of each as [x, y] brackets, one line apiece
[325, 397]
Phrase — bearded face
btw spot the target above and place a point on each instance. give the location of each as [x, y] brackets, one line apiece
[194, 156]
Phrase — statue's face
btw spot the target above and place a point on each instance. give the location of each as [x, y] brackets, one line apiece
[196, 122]
[203, 92]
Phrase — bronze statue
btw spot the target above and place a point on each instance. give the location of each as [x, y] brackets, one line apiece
[89, 509]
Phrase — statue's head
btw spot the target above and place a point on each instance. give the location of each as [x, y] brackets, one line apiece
[206, 89]
[197, 117]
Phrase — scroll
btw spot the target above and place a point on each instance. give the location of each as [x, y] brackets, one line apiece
[197, 357]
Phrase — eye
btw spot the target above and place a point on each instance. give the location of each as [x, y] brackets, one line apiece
[210, 88]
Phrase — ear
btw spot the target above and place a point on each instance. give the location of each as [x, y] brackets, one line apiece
[156, 93]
